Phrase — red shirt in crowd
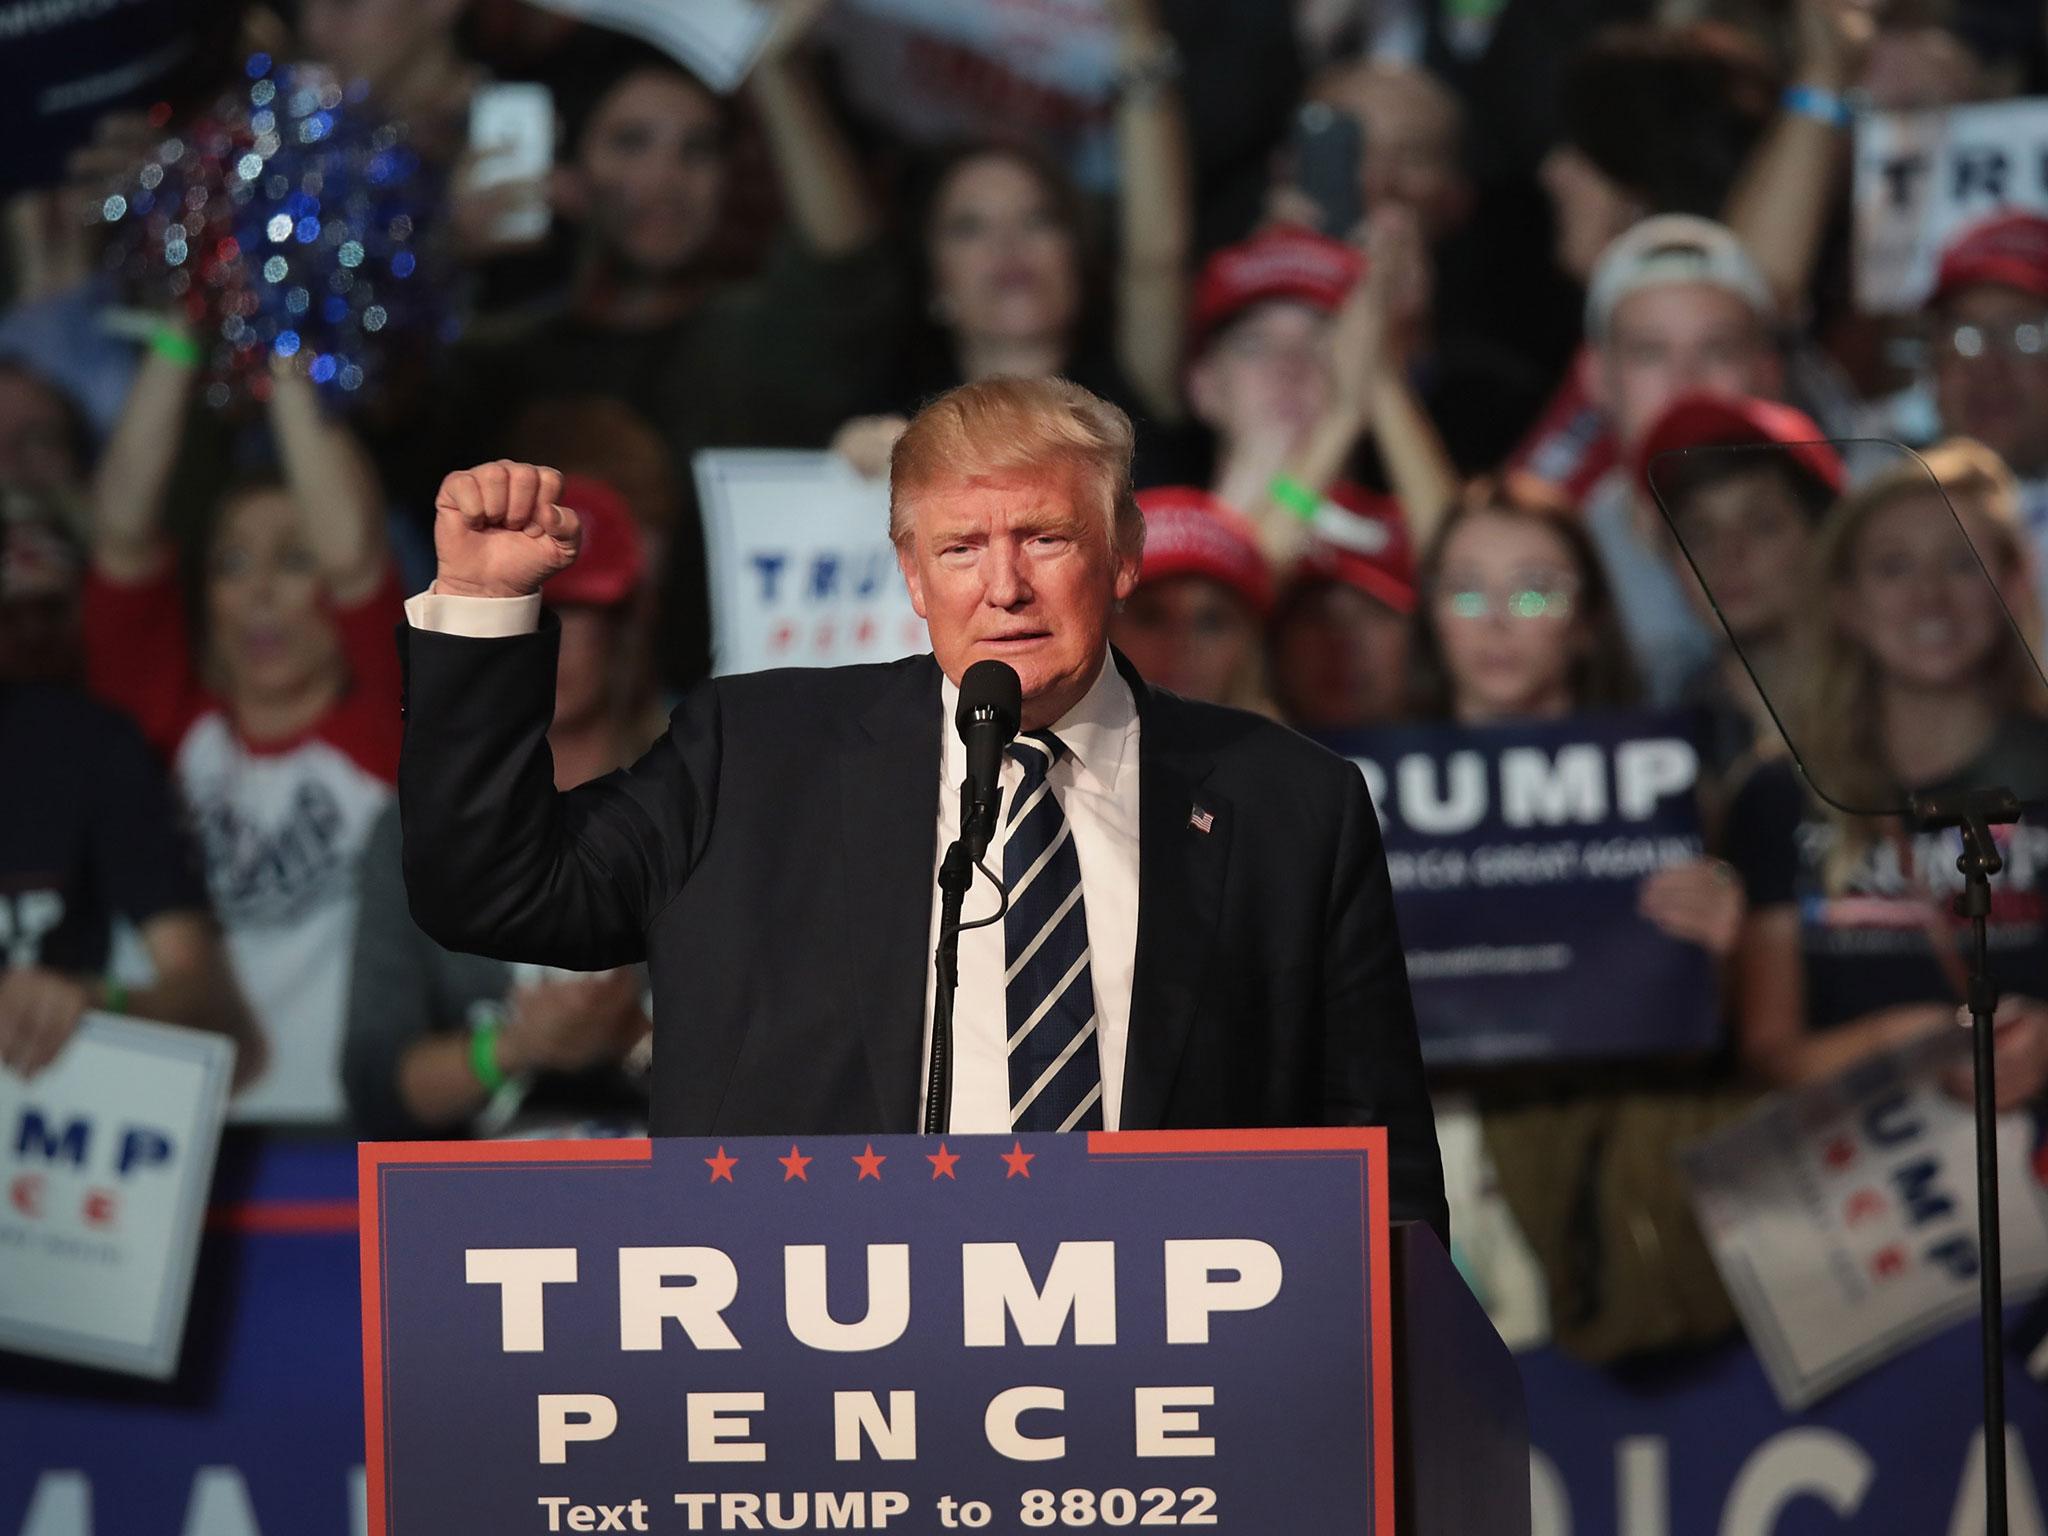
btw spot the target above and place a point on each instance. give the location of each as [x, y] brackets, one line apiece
[281, 824]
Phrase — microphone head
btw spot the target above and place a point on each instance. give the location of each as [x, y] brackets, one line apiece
[990, 694]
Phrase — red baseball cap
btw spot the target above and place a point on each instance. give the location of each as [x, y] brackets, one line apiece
[2009, 249]
[1365, 545]
[1728, 421]
[611, 562]
[1281, 261]
[1188, 532]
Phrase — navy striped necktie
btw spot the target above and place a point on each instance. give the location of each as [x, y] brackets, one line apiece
[1055, 1068]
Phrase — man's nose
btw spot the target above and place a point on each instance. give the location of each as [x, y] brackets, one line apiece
[1002, 577]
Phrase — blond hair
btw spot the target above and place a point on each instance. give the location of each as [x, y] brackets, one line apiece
[1835, 720]
[1010, 426]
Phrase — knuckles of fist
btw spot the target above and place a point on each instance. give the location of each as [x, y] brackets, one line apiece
[505, 494]
[478, 509]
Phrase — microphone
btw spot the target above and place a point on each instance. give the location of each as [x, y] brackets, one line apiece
[991, 705]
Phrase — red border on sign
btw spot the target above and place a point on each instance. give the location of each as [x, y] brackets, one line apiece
[372, 1157]
[278, 1217]
[1370, 1139]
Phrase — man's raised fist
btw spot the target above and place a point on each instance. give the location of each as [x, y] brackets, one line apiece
[498, 531]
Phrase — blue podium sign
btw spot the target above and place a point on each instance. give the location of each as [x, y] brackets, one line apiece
[900, 1334]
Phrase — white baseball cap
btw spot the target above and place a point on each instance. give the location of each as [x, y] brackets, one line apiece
[1674, 248]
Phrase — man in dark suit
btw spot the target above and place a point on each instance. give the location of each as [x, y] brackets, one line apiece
[1200, 931]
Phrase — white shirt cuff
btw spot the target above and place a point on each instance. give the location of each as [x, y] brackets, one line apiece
[478, 618]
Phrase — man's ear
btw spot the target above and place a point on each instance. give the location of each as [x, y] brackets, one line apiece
[1127, 568]
[906, 562]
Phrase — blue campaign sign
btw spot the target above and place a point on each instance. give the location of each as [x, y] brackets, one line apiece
[1186, 1329]
[1517, 854]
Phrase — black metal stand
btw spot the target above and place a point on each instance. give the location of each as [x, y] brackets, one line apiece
[956, 874]
[1974, 813]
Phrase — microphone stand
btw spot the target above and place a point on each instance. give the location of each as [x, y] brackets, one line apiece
[956, 875]
[1974, 813]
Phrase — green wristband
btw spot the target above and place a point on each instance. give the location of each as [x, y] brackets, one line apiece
[1295, 497]
[167, 342]
[483, 1057]
[113, 995]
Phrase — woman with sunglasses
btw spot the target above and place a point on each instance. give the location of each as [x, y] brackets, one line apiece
[1564, 1170]
[1517, 622]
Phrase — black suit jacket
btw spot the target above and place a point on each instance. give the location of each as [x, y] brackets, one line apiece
[771, 859]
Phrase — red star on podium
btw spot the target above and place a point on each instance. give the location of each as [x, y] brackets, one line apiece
[871, 1164]
[942, 1163]
[721, 1166]
[793, 1166]
[1019, 1161]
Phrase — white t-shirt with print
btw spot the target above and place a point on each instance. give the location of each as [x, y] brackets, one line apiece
[282, 834]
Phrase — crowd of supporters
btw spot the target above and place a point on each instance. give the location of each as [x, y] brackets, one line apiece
[1404, 454]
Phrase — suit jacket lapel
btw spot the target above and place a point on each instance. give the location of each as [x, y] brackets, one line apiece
[889, 788]
[1180, 899]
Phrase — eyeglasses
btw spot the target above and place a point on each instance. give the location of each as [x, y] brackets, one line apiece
[2028, 338]
[1547, 597]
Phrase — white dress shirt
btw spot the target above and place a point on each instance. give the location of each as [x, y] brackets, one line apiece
[1097, 786]
[1096, 783]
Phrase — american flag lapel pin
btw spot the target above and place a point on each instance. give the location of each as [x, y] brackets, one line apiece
[1201, 820]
